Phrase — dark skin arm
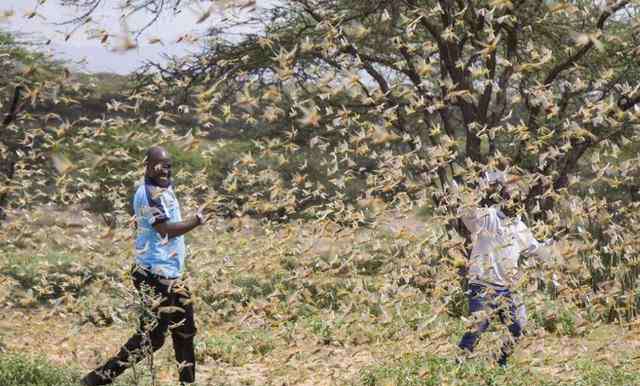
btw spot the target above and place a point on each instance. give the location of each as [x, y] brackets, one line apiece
[175, 229]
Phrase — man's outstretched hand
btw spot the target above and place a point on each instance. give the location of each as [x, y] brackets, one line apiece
[175, 229]
[204, 214]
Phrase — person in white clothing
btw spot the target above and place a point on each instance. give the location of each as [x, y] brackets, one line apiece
[498, 237]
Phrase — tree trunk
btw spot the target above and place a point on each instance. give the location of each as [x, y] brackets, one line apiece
[7, 165]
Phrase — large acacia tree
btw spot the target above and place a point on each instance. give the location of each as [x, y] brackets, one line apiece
[534, 84]
[541, 82]
[410, 94]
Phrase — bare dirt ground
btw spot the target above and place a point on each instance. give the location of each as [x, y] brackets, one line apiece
[57, 338]
[298, 356]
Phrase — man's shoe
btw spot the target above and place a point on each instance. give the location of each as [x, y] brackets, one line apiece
[502, 361]
[92, 379]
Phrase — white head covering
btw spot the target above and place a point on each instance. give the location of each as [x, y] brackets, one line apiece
[500, 177]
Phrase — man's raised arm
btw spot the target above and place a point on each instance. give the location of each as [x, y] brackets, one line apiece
[175, 229]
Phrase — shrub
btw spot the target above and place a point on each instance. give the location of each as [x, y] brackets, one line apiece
[595, 374]
[47, 277]
[252, 287]
[323, 329]
[20, 370]
[233, 348]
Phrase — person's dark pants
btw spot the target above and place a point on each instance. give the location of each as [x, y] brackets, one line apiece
[500, 302]
[174, 314]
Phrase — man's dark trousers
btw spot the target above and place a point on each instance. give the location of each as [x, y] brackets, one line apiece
[499, 301]
[154, 324]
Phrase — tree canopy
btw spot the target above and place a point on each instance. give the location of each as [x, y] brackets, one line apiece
[391, 101]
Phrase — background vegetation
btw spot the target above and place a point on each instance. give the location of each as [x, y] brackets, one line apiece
[327, 143]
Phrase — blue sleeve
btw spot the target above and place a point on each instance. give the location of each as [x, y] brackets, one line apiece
[155, 210]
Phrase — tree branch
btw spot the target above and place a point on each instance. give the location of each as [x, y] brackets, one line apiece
[558, 69]
[15, 108]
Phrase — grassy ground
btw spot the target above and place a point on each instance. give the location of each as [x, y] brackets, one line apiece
[294, 304]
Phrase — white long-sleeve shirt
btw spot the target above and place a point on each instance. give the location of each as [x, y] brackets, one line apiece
[498, 242]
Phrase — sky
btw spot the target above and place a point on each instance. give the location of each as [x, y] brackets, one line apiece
[89, 54]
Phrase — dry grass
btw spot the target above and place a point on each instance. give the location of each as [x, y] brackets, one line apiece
[294, 304]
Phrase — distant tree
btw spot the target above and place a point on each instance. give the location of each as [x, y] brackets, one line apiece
[27, 78]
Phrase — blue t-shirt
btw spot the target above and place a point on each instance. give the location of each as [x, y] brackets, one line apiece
[153, 204]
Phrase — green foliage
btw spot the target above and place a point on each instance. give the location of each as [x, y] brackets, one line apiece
[326, 330]
[251, 287]
[560, 319]
[186, 161]
[370, 265]
[289, 263]
[43, 66]
[17, 369]
[235, 349]
[46, 277]
[425, 212]
[224, 154]
[330, 110]
[104, 87]
[597, 373]
[430, 370]
[327, 293]
[21, 370]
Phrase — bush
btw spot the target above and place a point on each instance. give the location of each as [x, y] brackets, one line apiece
[252, 287]
[20, 370]
[558, 319]
[47, 277]
[595, 374]
[233, 348]
[323, 329]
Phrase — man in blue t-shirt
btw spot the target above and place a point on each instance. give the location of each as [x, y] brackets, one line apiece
[160, 253]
